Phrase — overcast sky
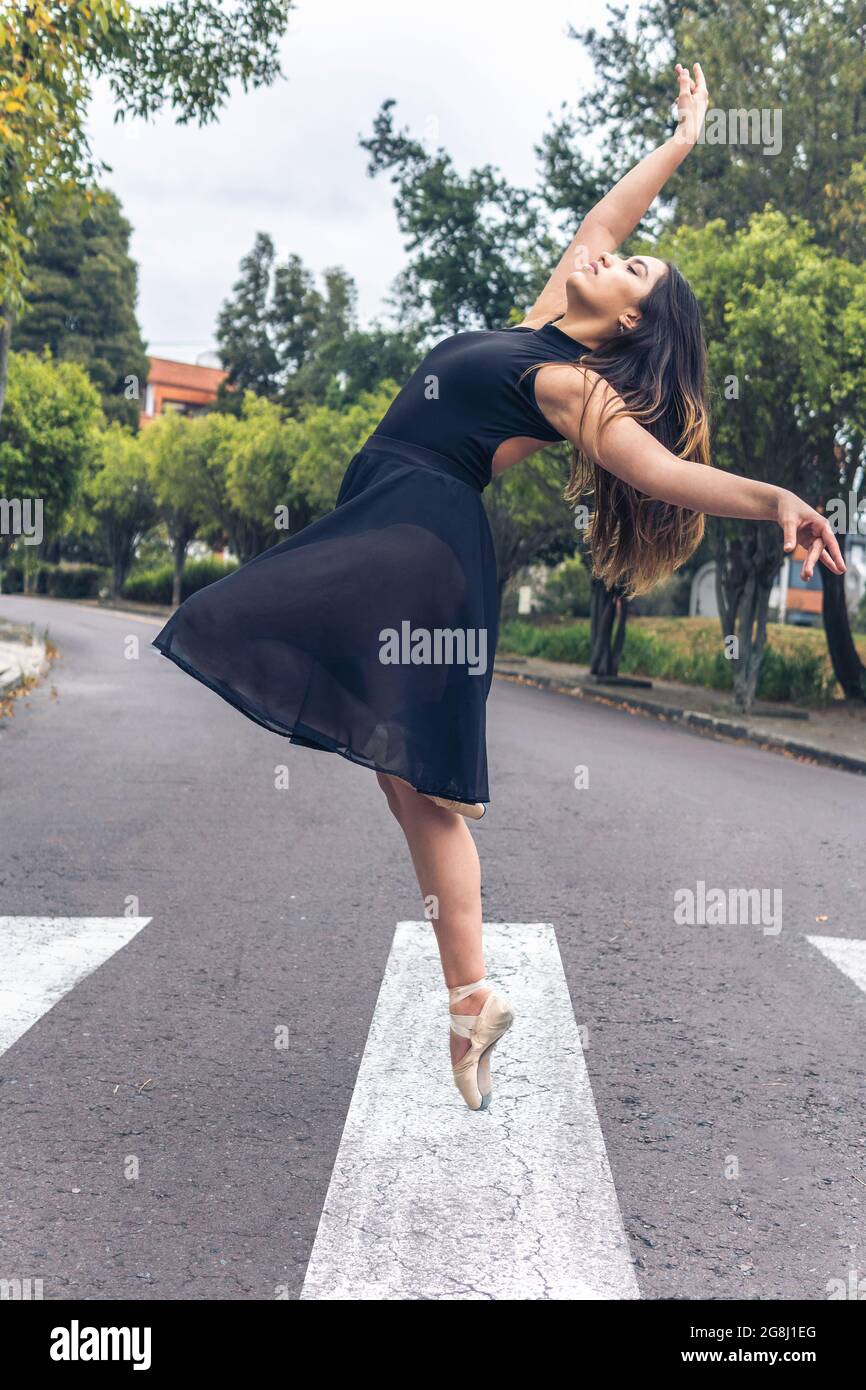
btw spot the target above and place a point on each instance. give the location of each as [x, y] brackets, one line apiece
[286, 160]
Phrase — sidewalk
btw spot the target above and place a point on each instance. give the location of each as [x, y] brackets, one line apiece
[834, 735]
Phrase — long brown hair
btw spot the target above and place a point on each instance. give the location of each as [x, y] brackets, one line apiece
[659, 369]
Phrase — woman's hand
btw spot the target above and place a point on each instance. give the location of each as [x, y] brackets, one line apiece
[802, 525]
[692, 102]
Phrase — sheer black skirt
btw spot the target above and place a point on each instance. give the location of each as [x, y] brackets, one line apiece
[372, 632]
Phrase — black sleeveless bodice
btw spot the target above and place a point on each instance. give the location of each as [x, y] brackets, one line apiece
[465, 397]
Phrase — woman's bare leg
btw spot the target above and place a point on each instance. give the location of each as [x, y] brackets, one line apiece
[446, 864]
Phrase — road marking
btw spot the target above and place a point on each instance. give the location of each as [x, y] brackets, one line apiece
[848, 955]
[44, 957]
[430, 1200]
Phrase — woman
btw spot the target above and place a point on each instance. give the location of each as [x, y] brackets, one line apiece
[371, 633]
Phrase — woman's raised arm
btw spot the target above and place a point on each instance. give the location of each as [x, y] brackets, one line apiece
[617, 214]
[574, 399]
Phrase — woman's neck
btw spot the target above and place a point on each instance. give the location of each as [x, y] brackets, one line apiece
[584, 328]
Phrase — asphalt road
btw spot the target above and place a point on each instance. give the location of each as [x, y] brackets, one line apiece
[126, 786]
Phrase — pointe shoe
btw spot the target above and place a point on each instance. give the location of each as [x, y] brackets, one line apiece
[474, 810]
[472, 1072]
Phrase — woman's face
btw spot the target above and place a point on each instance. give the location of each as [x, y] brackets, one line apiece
[610, 287]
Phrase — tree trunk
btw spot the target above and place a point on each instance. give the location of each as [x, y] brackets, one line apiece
[746, 565]
[847, 666]
[180, 545]
[605, 644]
[5, 338]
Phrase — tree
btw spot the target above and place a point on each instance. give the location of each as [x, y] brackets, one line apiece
[528, 518]
[50, 436]
[117, 501]
[218, 445]
[327, 441]
[799, 62]
[180, 54]
[773, 302]
[477, 246]
[259, 480]
[244, 324]
[80, 301]
[281, 337]
[174, 473]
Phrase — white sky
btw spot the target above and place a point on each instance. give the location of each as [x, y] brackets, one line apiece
[286, 160]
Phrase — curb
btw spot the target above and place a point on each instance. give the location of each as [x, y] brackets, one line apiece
[11, 680]
[709, 725]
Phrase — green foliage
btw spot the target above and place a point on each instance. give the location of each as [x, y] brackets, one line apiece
[569, 589]
[259, 475]
[178, 53]
[80, 300]
[528, 517]
[328, 439]
[155, 585]
[772, 302]
[117, 503]
[57, 581]
[477, 245]
[172, 450]
[802, 60]
[49, 436]
[281, 337]
[689, 651]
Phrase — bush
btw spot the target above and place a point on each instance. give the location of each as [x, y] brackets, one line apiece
[669, 599]
[795, 665]
[568, 589]
[82, 581]
[155, 585]
[57, 581]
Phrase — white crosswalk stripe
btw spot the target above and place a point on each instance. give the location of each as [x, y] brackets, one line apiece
[44, 957]
[429, 1200]
[849, 956]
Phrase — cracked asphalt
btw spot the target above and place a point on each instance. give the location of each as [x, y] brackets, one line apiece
[155, 1144]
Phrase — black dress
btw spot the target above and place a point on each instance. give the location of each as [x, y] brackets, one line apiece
[371, 633]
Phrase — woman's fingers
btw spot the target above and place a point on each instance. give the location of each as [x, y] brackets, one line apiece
[824, 547]
[827, 559]
[686, 85]
[811, 559]
[831, 546]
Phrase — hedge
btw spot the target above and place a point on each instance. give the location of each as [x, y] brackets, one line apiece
[155, 585]
[795, 665]
[57, 581]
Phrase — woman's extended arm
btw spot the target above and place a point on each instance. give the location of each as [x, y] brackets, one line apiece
[630, 452]
[619, 211]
